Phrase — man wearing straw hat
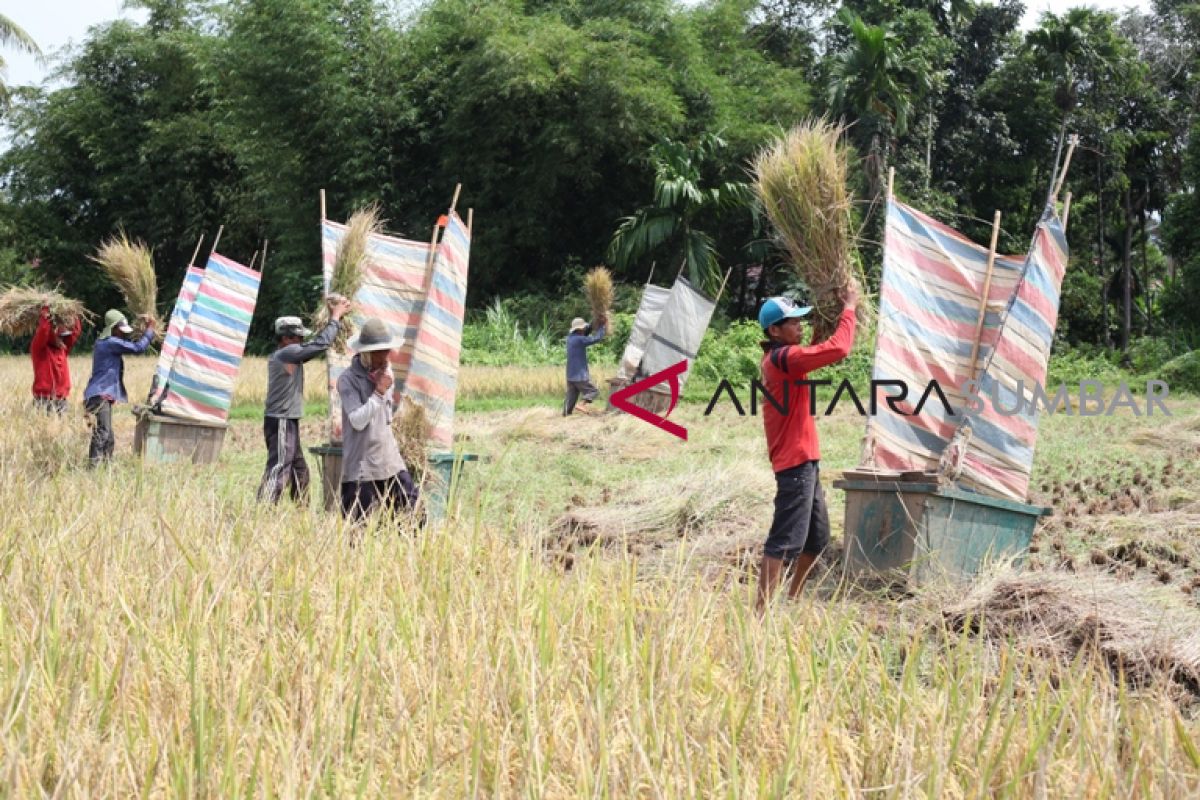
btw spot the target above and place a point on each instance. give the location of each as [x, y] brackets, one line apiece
[286, 467]
[579, 379]
[373, 472]
[107, 384]
[51, 371]
[800, 528]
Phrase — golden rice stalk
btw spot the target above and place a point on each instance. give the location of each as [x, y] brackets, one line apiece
[801, 181]
[21, 308]
[411, 427]
[348, 268]
[130, 266]
[598, 286]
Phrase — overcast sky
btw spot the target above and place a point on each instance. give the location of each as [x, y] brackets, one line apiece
[56, 23]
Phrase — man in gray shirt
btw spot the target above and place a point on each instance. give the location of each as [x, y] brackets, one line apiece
[286, 467]
[373, 471]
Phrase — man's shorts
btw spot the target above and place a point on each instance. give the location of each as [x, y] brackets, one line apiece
[801, 523]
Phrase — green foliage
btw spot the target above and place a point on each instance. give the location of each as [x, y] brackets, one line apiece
[1182, 374]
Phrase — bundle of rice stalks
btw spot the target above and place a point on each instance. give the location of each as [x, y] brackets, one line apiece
[129, 265]
[348, 269]
[21, 308]
[801, 182]
[598, 286]
[410, 426]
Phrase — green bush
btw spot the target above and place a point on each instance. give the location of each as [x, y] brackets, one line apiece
[1182, 374]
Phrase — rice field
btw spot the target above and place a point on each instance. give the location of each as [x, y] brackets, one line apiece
[581, 625]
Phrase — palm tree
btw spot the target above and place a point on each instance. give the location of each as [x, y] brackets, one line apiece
[873, 82]
[14, 36]
[680, 196]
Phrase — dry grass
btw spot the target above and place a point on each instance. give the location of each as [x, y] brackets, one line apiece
[130, 266]
[164, 636]
[801, 181]
[598, 286]
[348, 263]
[21, 309]
[411, 428]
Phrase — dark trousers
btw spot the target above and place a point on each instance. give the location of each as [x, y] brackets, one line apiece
[360, 498]
[574, 390]
[286, 467]
[103, 441]
[51, 405]
[801, 523]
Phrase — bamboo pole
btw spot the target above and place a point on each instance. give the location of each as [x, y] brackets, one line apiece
[1062, 176]
[987, 289]
[217, 240]
[196, 252]
[454, 201]
[891, 181]
[253, 259]
[470, 220]
[262, 264]
[432, 251]
[650, 277]
[1066, 211]
[323, 217]
[724, 281]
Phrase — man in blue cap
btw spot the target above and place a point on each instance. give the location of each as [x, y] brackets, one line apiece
[800, 528]
[107, 384]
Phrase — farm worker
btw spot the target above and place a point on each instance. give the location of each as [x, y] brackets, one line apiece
[286, 467]
[579, 380]
[800, 528]
[51, 372]
[107, 384]
[373, 471]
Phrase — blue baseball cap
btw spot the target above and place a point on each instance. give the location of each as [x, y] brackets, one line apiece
[776, 309]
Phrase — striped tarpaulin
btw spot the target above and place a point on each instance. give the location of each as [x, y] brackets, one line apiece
[933, 279]
[183, 306]
[432, 380]
[393, 289]
[200, 385]
[998, 455]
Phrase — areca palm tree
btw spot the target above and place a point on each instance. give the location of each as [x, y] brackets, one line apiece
[13, 36]
[680, 196]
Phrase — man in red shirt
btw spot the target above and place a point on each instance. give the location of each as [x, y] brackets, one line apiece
[51, 372]
[800, 529]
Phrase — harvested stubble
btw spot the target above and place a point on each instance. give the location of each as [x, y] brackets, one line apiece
[598, 286]
[346, 279]
[1140, 631]
[21, 308]
[130, 266]
[801, 182]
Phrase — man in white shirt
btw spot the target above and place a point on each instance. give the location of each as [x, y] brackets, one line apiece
[373, 472]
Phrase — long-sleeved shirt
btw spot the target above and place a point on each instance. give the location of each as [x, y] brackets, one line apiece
[369, 449]
[108, 366]
[792, 437]
[577, 361]
[285, 373]
[51, 372]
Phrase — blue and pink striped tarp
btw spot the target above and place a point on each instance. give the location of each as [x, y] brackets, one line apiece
[200, 384]
[432, 379]
[393, 289]
[170, 345]
[933, 280]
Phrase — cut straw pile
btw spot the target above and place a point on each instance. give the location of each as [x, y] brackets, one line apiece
[801, 182]
[598, 286]
[129, 265]
[348, 263]
[21, 308]
[410, 426]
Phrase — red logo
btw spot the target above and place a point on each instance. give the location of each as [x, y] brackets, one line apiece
[620, 399]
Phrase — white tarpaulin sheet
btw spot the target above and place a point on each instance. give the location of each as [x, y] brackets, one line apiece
[654, 299]
[679, 331]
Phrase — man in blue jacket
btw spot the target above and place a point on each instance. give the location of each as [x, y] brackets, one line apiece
[579, 380]
[107, 384]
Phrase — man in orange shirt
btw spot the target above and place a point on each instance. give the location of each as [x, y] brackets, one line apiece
[800, 528]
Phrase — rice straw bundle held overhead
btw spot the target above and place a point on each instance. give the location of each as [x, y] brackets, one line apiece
[129, 265]
[598, 286]
[21, 308]
[348, 263]
[801, 181]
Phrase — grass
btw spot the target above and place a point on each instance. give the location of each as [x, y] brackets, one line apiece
[162, 635]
